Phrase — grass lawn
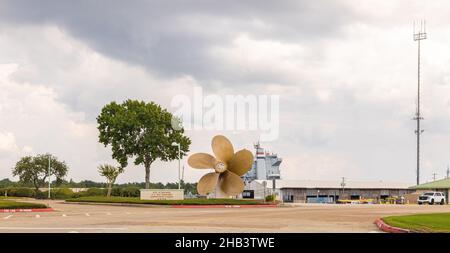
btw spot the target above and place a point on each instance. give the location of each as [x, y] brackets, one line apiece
[6, 198]
[436, 222]
[9, 204]
[166, 202]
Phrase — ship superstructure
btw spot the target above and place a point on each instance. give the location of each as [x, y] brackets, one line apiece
[265, 167]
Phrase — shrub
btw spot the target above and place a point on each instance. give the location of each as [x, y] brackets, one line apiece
[56, 193]
[61, 193]
[94, 192]
[3, 191]
[270, 198]
[116, 191]
[130, 192]
[77, 195]
[21, 192]
[41, 195]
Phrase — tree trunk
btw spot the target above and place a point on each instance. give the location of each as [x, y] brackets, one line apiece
[109, 190]
[36, 186]
[147, 175]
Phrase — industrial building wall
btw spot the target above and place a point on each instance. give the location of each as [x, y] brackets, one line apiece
[259, 191]
[331, 195]
[295, 195]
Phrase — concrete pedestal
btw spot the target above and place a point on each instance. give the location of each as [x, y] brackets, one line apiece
[162, 194]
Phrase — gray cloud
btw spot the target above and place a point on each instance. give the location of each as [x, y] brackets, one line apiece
[174, 37]
[345, 73]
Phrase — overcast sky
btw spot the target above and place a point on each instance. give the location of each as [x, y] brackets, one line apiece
[345, 71]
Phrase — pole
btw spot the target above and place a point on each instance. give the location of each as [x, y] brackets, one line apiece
[182, 173]
[419, 35]
[418, 115]
[179, 171]
[179, 159]
[49, 181]
[264, 185]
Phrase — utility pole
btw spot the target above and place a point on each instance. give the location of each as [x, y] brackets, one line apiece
[343, 185]
[434, 176]
[419, 34]
[448, 172]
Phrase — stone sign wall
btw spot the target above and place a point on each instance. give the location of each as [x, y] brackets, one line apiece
[162, 194]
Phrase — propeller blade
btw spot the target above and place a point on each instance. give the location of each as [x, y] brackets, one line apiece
[230, 183]
[241, 162]
[222, 148]
[201, 161]
[207, 183]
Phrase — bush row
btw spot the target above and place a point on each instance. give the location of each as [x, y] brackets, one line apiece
[18, 192]
[65, 193]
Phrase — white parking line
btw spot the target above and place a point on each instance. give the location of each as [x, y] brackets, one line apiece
[38, 216]
[7, 217]
[64, 215]
[87, 214]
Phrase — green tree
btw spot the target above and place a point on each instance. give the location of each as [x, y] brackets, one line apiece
[34, 170]
[141, 130]
[110, 173]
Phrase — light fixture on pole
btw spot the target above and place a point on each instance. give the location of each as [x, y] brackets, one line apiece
[179, 157]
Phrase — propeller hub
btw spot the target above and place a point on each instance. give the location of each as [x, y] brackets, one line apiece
[220, 167]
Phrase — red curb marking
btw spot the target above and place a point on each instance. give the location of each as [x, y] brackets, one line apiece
[390, 229]
[26, 210]
[221, 206]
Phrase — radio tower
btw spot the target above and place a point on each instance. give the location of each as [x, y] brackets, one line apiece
[419, 34]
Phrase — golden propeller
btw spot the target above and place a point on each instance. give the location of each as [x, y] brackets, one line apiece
[228, 166]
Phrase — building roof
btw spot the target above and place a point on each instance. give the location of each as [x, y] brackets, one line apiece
[320, 184]
[438, 184]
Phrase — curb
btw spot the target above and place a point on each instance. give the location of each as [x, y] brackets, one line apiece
[221, 206]
[390, 229]
[26, 210]
[117, 204]
[171, 206]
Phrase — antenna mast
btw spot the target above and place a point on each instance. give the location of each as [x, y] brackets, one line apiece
[419, 34]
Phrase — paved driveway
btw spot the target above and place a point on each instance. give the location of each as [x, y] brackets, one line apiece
[295, 218]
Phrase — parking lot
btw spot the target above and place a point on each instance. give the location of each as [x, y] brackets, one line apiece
[76, 218]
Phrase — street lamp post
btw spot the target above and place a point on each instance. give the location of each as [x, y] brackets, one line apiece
[49, 181]
[179, 157]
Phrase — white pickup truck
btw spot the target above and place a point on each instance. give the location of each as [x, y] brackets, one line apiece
[432, 198]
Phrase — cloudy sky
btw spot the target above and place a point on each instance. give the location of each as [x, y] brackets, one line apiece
[345, 72]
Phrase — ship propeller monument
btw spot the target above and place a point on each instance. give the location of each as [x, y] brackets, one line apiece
[228, 167]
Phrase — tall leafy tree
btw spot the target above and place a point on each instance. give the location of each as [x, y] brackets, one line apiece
[141, 130]
[111, 173]
[34, 169]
